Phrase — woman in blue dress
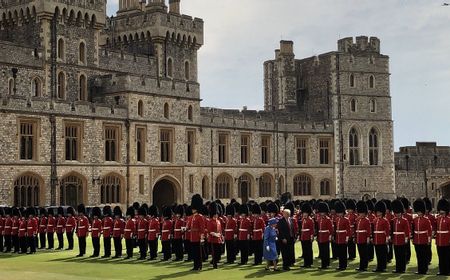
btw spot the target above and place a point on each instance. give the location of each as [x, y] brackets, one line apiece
[270, 247]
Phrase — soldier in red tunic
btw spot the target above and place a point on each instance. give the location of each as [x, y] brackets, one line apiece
[429, 215]
[153, 231]
[197, 226]
[96, 231]
[2, 228]
[32, 229]
[142, 230]
[400, 236]
[42, 228]
[71, 224]
[408, 216]
[325, 230]
[15, 229]
[342, 234]
[363, 231]
[7, 229]
[306, 234]
[258, 231]
[230, 234]
[82, 229]
[244, 233]
[187, 233]
[51, 226]
[118, 231]
[166, 234]
[422, 236]
[371, 216]
[443, 236]
[129, 232]
[107, 227]
[214, 231]
[22, 231]
[60, 226]
[381, 236]
[389, 218]
[178, 225]
[351, 216]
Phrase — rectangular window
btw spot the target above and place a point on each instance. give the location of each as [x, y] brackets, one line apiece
[190, 146]
[111, 143]
[27, 140]
[324, 150]
[191, 183]
[245, 149]
[141, 184]
[223, 147]
[301, 147]
[72, 137]
[165, 139]
[140, 144]
[265, 149]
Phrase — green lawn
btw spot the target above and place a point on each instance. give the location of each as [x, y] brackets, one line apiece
[64, 265]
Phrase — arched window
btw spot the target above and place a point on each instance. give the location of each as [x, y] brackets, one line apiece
[71, 191]
[371, 81]
[11, 86]
[169, 67]
[265, 186]
[36, 87]
[166, 110]
[302, 185]
[353, 105]
[26, 191]
[110, 189]
[245, 186]
[223, 186]
[187, 74]
[190, 113]
[61, 85]
[373, 106]
[325, 187]
[352, 80]
[373, 147]
[61, 48]
[83, 88]
[205, 186]
[140, 108]
[354, 147]
[82, 52]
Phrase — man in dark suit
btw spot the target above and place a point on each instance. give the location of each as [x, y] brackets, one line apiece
[286, 237]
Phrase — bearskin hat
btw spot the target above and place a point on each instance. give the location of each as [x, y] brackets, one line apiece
[323, 207]
[213, 209]
[60, 211]
[167, 212]
[397, 206]
[443, 205]
[179, 210]
[350, 204]
[7, 211]
[2, 212]
[96, 212]
[273, 208]
[236, 206]
[229, 210]
[361, 207]
[22, 211]
[81, 209]
[388, 203]
[306, 208]
[153, 211]
[142, 211]
[196, 202]
[189, 211]
[43, 211]
[339, 206]
[31, 211]
[263, 206]
[51, 212]
[256, 209]
[130, 211]
[370, 205]
[70, 210]
[291, 207]
[419, 205]
[136, 205]
[117, 211]
[405, 202]
[380, 206]
[107, 212]
[243, 209]
[428, 204]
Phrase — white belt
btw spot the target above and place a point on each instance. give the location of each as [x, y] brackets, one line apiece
[378, 231]
[116, 228]
[106, 228]
[81, 227]
[59, 226]
[14, 227]
[442, 231]
[152, 230]
[339, 231]
[29, 227]
[165, 230]
[128, 230]
[22, 229]
[7, 227]
[42, 225]
[94, 228]
[141, 229]
[421, 232]
[359, 231]
[257, 230]
[324, 231]
[229, 229]
[177, 229]
[306, 229]
[241, 229]
[352, 226]
[398, 232]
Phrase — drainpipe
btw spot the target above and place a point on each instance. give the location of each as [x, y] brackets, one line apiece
[127, 127]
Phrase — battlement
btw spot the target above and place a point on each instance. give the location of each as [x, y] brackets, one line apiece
[360, 44]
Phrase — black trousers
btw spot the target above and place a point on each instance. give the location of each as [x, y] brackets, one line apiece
[408, 252]
[333, 250]
[118, 246]
[60, 240]
[363, 256]
[422, 258]
[444, 259]
[7, 243]
[230, 246]
[82, 245]
[390, 254]
[324, 253]
[107, 246]
[129, 245]
[153, 248]
[42, 239]
[351, 249]
[69, 236]
[1, 242]
[341, 254]
[216, 250]
[243, 249]
[257, 246]
[400, 258]
[187, 249]
[51, 241]
[166, 250]
[177, 246]
[370, 251]
[429, 254]
[96, 246]
[287, 254]
[15, 243]
[23, 244]
[307, 253]
[31, 240]
[142, 243]
[196, 255]
[205, 250]
[382, 253]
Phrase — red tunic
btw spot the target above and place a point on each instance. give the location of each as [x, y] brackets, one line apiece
[258, 228]
[153, 229]
[118, 228]
[343, 231]
[96, 228]
[433, 221]
[307, 231]
[71, 224]
[51, 224]
[32, 227]
[214, 228]
[363, 230]
[401, 231]
[230, 229]
[244, 229]
[8, 226]
[410, 220]
[82, 226]
[22, 227]
[2, 225]
[15, 226]
[187, 233]
[107, 227]
[381, 231]
[422, 231]
[130, 228]
[325, 229]
[142, 228]
[351, 216]
[166, 230]
[60, 225]
[197, 226]
[43, 225]
[177, 228]
[443, 231]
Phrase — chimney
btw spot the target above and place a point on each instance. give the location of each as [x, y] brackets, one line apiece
[174, 6]
[286, 47]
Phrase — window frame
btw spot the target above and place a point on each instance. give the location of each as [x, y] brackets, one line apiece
[34, 141]
[265, 149]
[245, 148]
[299, 150]
[322, 148]
[140, 156]
[190, 145]
[170, 155]
[79, 139]
[226, 147]
[118, 139]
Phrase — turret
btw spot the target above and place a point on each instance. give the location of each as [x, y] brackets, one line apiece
[361, 44]
[174, 6]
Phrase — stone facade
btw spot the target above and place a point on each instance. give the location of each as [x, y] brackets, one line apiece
[423, 170]
[67, 69]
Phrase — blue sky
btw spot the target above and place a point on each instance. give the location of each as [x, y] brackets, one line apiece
[241, 34]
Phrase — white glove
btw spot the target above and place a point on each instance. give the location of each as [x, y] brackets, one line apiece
[267, 248]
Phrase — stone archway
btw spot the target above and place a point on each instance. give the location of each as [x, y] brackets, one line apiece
[165, 193]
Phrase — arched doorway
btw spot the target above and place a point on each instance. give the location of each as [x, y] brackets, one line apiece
[71, 191]
[245, 184]
[164, 193]
[445, 191]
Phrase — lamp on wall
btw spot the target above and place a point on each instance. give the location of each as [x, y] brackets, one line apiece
[95, 179]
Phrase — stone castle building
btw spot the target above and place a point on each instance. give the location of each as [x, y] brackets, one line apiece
[423, 171]
[98, 109]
